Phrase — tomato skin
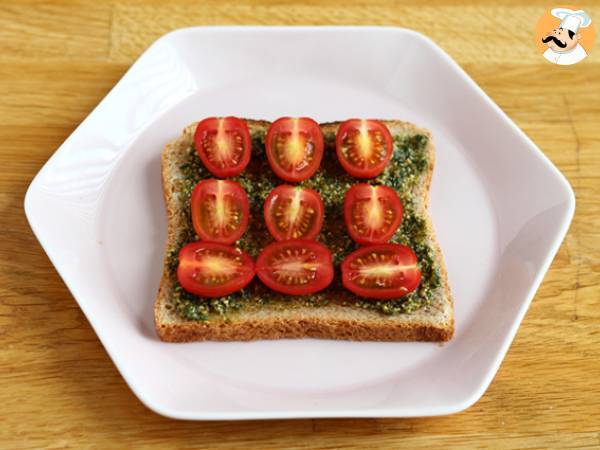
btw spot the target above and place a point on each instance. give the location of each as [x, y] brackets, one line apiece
[374, 133]
[234, 134]
[308, 130]
[386, 257]
[372, 213]
[206, 195]
[204, 259]
[300, 259]
[308, 216]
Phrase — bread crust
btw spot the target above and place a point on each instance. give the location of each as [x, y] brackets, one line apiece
[273, 328]
[325, 322]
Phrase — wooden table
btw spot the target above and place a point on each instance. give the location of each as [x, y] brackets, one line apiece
[58, 388]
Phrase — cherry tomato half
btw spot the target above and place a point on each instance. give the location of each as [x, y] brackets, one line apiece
[220, 210]
[363, 147]
[372, 213]
[213, 270]
[297, 267]
[294, 148]
[381, 271]
[293, 212]
[223, 144]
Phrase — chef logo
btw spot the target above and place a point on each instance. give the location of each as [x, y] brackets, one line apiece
[565, 36]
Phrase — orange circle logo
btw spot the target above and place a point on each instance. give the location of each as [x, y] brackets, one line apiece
[565, 35]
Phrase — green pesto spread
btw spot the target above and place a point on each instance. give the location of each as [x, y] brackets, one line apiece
[408, 164]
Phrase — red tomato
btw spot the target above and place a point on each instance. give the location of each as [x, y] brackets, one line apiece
[213, 270]
[381, 271]
[220, 210]
[372, 213]
[297, 267]
[293, 213]
[363, 147]
[294, 148]
[224, 145]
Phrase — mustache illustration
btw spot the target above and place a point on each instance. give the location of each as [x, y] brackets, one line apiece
[556, 41]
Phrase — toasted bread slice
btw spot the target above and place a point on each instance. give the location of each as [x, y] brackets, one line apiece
[291, 317]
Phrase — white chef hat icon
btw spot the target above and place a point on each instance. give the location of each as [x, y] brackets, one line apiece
[572, 20]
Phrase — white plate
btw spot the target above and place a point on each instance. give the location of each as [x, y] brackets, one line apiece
[499, 206]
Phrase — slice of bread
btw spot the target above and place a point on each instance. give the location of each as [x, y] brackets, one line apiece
[286, 317]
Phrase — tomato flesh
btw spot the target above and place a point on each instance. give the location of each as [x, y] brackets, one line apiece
[294, 148]
[381, 271]
[292, 212]
[363, 147]
[213, 270]
[223, 144]
[220, 210]
[297, 267]
[372, 213]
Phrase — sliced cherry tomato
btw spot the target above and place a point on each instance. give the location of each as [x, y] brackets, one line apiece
[223, 144]
[381, 271]
[297, 267]
[294, 148]
[213, 270]
[372, 213]
[220, 210]
[363, 147]
[293, 212]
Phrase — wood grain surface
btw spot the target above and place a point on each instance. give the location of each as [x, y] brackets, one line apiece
[58, 388]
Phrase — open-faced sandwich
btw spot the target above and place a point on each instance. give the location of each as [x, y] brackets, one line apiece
[297, 229]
